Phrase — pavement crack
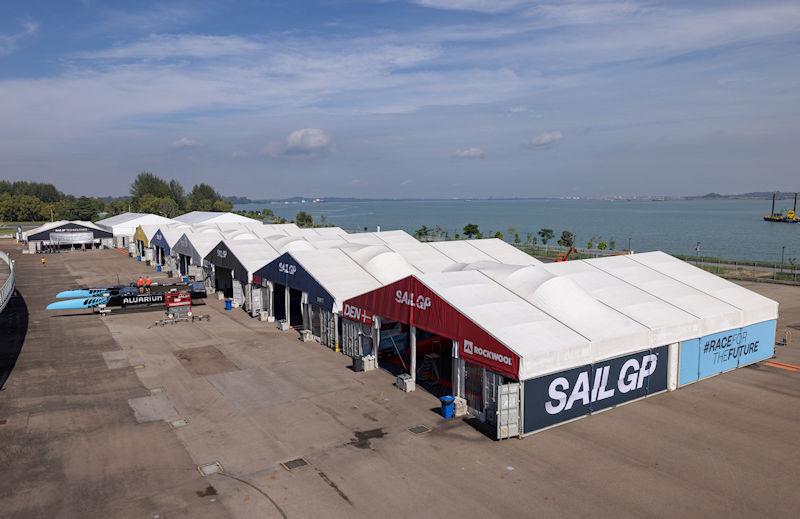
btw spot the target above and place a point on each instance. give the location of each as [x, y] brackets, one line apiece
[334, 486]
[262, 492]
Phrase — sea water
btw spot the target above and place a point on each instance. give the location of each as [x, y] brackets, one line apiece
[723, 228]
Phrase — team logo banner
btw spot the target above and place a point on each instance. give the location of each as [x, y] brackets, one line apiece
[569, 394]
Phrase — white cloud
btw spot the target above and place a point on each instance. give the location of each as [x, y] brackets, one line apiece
[165, 46]
[469, 153]
[308, 141]
[483, 6]
[9, 42]
[184, 143]
[545, 139]
[305, 141]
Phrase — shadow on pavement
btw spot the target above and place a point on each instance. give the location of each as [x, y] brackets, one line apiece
[13, 329]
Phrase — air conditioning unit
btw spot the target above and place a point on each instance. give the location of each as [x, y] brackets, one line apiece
[365, 363]
[405, 383]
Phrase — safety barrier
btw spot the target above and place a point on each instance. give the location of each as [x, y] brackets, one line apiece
[7, 289]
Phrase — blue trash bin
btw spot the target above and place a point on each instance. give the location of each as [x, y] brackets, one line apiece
[186, 279]
[158, 268]
[229, 304]
[138, 258]
[448, 406]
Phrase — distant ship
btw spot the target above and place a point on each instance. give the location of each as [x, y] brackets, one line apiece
[789, 216]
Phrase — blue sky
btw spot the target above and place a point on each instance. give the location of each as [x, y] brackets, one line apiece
[418, 98]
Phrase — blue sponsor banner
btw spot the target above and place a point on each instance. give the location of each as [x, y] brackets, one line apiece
[724, 351]
[563, 396]
[285, 270]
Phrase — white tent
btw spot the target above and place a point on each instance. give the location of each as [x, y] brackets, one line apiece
[124, 225]
[212, 217]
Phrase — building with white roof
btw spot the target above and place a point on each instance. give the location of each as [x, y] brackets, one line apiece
[562, 341]
[67, 234]
[124, 225]
[212, 217]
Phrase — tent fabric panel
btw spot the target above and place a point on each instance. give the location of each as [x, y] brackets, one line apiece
[290, 273]
[409, 301]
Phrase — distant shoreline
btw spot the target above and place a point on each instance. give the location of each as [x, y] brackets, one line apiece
[711, 196]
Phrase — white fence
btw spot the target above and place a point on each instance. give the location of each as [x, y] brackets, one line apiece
[7, 289]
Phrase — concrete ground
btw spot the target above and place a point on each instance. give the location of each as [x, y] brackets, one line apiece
[110, 417]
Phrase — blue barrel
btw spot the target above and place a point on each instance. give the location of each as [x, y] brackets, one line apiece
[229, 304]
[186, 279]
[138, 258]
[448, 406]
[158, 268]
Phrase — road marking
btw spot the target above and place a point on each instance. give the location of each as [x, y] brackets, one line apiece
[782, 365]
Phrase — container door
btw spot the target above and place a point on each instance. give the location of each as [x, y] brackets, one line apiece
[473, 386]
[258, 302]
[508, 410]
[491, 384]
[238, 292]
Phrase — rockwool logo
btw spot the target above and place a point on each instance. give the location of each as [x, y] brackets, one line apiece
[222, 253]
[471, 349]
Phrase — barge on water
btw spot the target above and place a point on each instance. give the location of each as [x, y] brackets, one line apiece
[789, 216]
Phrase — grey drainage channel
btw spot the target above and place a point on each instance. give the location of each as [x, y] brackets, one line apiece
[419, 429]
[294, 464]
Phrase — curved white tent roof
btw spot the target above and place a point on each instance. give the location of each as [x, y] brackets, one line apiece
[380, 261]
[125, 224]
[542, 343]
[200, 217]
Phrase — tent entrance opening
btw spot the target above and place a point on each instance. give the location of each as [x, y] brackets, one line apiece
[279, 302]
[434, 358]
[223, 281]
[183, 263]
[295, 308]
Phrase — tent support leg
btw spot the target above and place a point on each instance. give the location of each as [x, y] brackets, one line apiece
[413, 341]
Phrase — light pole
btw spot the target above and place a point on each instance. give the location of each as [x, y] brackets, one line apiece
[697, 253]
[783, 250]
[629, 244]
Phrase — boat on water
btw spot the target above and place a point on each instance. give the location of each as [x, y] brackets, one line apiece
[788, 216]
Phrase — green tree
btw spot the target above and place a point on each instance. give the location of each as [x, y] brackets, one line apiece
[517, 240]
[177, 193]
[546, 235]
[303, 219]
[221, 205]
[164, 206]
[612, 245]
[267, 214]
[422, 232]
[147, 183]
[471, 230]
[602, 245]
[203, 197]
[498, 235]
[567, 239]
[22, 208]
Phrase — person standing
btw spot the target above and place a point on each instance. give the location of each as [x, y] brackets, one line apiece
[147, 283]
[44, 261]
[140, 284]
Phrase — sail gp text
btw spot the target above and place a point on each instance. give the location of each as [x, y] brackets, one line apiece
[632, 376]
[407, 298]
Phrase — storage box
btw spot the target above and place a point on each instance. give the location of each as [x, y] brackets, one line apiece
[405, 383]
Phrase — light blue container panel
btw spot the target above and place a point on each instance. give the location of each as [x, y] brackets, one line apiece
[689, 362]
[738, 347]
[759, 339]
[717, 352]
